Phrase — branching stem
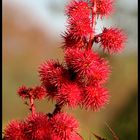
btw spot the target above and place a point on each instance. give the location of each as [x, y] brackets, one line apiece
[93, 24]
[58, 108]
[32, 107]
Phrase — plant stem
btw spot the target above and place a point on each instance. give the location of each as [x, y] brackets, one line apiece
[32, 107]
[58, 108]
[93, 23]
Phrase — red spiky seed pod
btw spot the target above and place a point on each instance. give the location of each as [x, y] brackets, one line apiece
[90, 68]
[79, 27]
[113, 40]
[104, 7]
[51, 73]
[79, 18]
[37, 127]
[15, 131]
[69, 94]
[23, 92]
[51, 91]
[81, 61]
[38, 92]
[63, 126]
[71, 41]
[101, 73]
[94, 98]
[77, 9]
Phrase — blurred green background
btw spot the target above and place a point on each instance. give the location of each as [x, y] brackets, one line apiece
[31, 34]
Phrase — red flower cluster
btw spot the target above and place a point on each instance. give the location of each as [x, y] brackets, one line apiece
[40, 127]
[78, 81]
[90, 68]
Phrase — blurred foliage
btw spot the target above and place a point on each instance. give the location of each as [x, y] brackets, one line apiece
[125, 124]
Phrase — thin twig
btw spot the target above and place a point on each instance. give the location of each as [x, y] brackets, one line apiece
[32, 107]
[93, 24]
[112, 132]
[98, 137]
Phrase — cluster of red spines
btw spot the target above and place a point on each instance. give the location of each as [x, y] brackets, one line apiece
[104, 7]
[112, 40]
[90, 68]
[95, 97]
[79, 80]
[51, 72]
[15, 131]
[63, 126]
[71, 41]
[23, 92]
[76, 9]
[78, 13]
[36, 126]
[69, 94]
[37, 92]
[39, 127]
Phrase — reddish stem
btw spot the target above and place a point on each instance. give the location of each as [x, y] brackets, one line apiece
[32, 107]
[93, 23]
[58, 108]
